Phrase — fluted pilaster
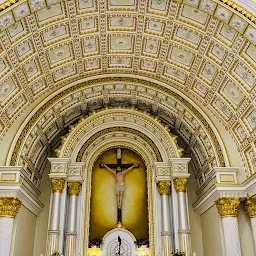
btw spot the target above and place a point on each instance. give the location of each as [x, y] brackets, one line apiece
[228, 208]
[250, 206]
[9, 207]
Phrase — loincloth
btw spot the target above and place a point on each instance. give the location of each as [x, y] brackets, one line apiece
[120, 187]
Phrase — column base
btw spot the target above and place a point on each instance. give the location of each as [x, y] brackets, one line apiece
[70, 244]
[52, 243]
[185, 242]
[166, 238]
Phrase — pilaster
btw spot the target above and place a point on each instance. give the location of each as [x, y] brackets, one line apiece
[228, 208]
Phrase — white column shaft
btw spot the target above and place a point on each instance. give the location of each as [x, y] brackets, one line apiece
[6, 227]
[166, 235]
[166, 219]
[253, 222]
[54, 227]
[72, 214]
[184, 228]
[71, 227]
[55, 211]
[231, 236]
[183, 216]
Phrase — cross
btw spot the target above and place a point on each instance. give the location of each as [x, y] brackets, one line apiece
[122, 166]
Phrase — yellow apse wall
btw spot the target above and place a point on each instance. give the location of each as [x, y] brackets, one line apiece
[103, 200]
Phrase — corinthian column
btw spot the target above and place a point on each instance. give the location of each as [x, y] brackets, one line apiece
[54, 226]
[73, 192]
[180, 185]
[250, 206]
[9, 207]
[228, 209]
[166, 234]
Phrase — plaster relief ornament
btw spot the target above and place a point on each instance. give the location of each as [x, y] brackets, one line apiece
[54, 32]
[208, 6]
[6, 20]
[251, 34]
[36, 4]
[120, 21]
[238, 23]
[59, 53]
[234, 92]
[4, 88]
[223, 14]
[21, 11]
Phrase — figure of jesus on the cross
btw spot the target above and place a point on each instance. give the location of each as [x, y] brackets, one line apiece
[119, 174]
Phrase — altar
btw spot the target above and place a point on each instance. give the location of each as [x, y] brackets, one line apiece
[123, 184]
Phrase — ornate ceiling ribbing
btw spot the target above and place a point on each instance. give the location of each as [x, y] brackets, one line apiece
[41, 131]
[205, 49]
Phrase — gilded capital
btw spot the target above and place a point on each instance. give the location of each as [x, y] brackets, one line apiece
[250, 206]
[58, 184]
[9, 206]
[74, 188]
[180, 184]
[228, 206]
[164, 187]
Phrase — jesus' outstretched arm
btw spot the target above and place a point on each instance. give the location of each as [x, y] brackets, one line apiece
[133, 166]
[104, 165]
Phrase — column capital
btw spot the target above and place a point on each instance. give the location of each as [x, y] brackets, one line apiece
[74, 188]
[164, 187]
[228, 206]
[9, 206]
[58, 184]
[180, 184]
[250, 206]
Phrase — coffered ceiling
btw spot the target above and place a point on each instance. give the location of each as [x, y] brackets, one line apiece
[205, 49]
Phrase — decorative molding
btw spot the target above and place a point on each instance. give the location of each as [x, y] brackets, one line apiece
[74, 188]
[180, 184]
[58, 184]
[228, 206]
[9, 206]
[250, 206]
[164, 187]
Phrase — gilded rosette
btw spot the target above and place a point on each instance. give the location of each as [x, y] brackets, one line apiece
[74, 188]
[228, 206]
[250, 206]
[58, 184]
[180, 184]
[164, 187]
[9, 206]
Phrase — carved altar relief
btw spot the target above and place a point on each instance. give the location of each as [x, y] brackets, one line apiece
[111, 243]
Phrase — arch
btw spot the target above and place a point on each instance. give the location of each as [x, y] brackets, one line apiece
[63, 108]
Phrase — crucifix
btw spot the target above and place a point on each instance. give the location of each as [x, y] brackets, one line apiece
[119, 174]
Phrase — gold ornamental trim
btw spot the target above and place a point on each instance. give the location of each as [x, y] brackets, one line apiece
[74, 188]
[164, 187]
[180, 184]
[58, 184]
[9, 206]
[250, 206]
[7, 3]
[228, 206]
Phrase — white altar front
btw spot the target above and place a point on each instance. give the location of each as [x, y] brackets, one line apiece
[110, 243]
